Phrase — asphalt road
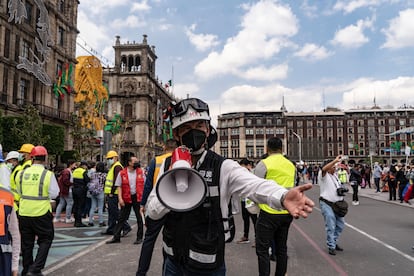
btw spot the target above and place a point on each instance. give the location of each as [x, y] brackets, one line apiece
[377, 240]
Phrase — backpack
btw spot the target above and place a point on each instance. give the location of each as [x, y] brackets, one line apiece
[96, 185]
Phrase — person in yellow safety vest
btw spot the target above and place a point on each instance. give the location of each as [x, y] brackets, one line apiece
[9, 234]
[153, 226]
[25, 161]
[343, 176]
[111, 193]
[79, 191]
[36, 187]
[273, 225]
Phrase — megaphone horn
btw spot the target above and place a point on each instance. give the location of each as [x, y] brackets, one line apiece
[181, 188]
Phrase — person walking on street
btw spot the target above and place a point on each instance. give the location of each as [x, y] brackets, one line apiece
[9, 234]
[246, 215]
[65, 182]
[273, 224]
[355, 179]
[329, 185]
[96, 190]
[377, 176]
[36, 186]
[153, 226]
[194, 240]
[111, 192]
[392, 183]
[130, 183]
[80, 186]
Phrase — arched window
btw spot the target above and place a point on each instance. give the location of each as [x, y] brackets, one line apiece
[128, 111]
[123, 63]
[130, 63]
[137, 63]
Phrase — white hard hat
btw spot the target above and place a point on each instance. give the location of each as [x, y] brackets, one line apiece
[12, 154]
[189, 116]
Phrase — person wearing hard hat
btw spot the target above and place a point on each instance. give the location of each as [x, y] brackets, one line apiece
[25, 161]
[194, 237]
[111, 193]
[36, 186]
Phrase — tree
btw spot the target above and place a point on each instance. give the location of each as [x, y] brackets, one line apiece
[30, 127]
[84, 141]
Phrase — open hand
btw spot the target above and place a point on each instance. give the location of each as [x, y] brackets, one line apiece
[297, 203]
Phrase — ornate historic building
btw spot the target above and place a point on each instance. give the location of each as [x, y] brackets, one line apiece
[139, 98]
[37, 55]
[315, 136]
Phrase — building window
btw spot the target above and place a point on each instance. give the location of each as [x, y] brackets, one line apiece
[61, 36]
[360, 122]
[299, 124]
[235, 131]
[16, 48]
[259, 152]
[25, 49]
[269, 131]
[259, 131]
[249, 122]
[402, 122]
[7, 43]
[23, 91]
[290, 124]
[340, 123]
[391, 122]
[5, 80]
[258, 122]
[249, 131]
[329, 123]
[269, 122]
[278, 122]
[319, 124]
[29, 10]
[59, 67]
[128, 111]
[309, 123]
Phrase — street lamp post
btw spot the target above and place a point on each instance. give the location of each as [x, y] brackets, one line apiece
[300, 145]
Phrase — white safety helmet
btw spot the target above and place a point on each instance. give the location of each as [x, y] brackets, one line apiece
[188, 110]
[12, 154]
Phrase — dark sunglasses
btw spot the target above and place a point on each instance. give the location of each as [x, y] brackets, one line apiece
[182, 107]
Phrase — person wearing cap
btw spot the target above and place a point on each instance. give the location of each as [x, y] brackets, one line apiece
[79, 190]
[25, 161]
[111, 193]
[36, 186]
[194, 239]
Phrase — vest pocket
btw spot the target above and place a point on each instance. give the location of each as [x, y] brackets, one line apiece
[203, 252]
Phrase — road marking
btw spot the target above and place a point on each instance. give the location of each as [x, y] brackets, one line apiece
[392, 248]
[322, 253]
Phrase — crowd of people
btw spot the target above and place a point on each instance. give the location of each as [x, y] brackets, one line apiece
[193, 237]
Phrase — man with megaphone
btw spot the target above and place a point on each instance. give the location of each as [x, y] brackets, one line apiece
[194, 193]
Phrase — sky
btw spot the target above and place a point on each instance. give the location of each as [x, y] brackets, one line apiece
[253, 55]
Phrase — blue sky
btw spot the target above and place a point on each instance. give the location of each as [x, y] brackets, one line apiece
[248, 55]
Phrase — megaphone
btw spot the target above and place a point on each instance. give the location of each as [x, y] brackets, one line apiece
[181, 188]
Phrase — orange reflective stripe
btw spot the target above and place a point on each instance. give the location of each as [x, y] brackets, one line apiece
[6, 198]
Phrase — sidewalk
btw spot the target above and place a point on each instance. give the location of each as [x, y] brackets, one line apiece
[383, 196]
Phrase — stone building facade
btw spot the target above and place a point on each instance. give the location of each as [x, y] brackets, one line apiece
[136, 94]
[37, 43]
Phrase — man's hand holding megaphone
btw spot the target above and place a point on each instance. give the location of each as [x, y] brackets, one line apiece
[297, 203]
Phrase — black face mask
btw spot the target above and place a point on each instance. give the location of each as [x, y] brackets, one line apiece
[194, 139]
[137, 165]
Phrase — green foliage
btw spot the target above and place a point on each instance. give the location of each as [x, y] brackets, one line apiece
[10, 140]
[55, 145]
[83, 139]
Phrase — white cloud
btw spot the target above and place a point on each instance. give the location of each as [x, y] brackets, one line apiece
[313, 52]
[99, 7]
[182, 89]
[131, 21]
[140, 6]
[91, 33]
[266, 27]
[309, 10]
[400, 32]
[350, 6]
[276, 72]
[353, 36]
[202, 42]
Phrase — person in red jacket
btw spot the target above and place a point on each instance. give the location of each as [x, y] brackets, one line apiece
[130, 183]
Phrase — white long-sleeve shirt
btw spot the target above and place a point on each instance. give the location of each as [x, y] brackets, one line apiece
[234, 179]
[15, 233]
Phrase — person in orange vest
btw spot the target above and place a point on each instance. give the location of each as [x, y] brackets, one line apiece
[130, 183]
[153, 226]
[9, 234]
[36, 186]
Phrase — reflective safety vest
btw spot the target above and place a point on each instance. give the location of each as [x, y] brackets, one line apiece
[342, 176]
[13, 186]
[158, 162]
[281, 170]
[6, 208]
[126, 189]
[77, 175]
[33, 187]
[110, 181]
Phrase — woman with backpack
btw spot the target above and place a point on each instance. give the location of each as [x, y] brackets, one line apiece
[96, 191]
